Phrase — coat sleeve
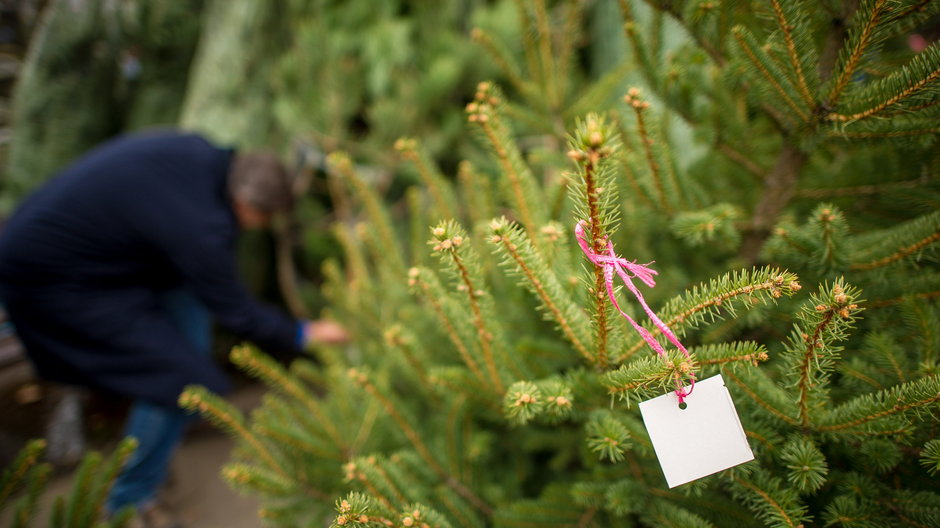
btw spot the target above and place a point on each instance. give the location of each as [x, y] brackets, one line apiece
[208, 266]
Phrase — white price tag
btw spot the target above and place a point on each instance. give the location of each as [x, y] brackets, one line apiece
[704, 438]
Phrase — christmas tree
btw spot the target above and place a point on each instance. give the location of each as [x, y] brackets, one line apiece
[777, 161]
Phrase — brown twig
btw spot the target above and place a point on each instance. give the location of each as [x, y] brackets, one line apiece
[767, 498]
[597, 243]
[892, 410]
[890, 101]
[738, 36]
[479, 321]
[856, 54]
[779, 188]
[899, 254]
[760, 401]
[787, 29]
[451, 331]
[814, 342]
[543, 295]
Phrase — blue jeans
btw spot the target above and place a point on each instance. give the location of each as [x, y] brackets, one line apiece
[159, 429]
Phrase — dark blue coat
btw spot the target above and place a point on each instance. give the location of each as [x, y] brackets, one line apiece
[83, 260]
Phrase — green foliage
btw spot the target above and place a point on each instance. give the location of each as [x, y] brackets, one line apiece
[491, 380]
[806, 463]
[78, 86]
[930, 457]
[83, 507]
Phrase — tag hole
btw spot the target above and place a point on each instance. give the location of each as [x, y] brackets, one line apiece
[683, 405]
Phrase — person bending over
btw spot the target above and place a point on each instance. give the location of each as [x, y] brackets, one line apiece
[113, 272]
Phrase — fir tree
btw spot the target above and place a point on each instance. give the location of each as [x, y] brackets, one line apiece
[93, 70]
[492, 378]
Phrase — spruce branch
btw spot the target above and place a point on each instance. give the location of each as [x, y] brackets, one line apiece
[709, 225]
[807, 465]
[731, 354]
[15, 473]
[77, 503]
[419, 515]
[864, 190]
[633, 99]
[603, 90]
[445, 204]
[523, 402]
[770, 501]
[901, 253]
[529, 44]
[457, 381]
[296, 439]
[525, 195]
[908, 81]
[424, 281]
[503, 59]
[341, 166]
[418, 222]
[768, 390]
[475, 193]
[546, 57]
[641, 53]
[811, 349]
[594, 195]
[25, 508]
[197, 399]
[930, 457]
[607, 436]
[380, 474]
[878, 129]
[358, 278]
[789, 23]
[448, 240]
[650, 375]
[356, 510]
[354, 471]
[361, 379]
[253, 361]
[399, 338]
[521, 255]
[104, 480]
[741, 159]
[768, 70]
[667, 515]
[570, 35]
[860, 36]
[271, 483]
[913, 397]
[725, 293]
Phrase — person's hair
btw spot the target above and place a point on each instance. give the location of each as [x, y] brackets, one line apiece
[259, 179]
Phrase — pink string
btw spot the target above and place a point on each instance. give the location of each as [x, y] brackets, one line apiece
[611, 263]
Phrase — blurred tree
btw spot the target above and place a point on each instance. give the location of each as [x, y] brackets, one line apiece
[492, 379]
[95, 68]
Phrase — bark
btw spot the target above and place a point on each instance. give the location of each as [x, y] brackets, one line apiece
[779, 189]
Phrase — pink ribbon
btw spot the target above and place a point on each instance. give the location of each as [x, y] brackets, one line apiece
[611, 263]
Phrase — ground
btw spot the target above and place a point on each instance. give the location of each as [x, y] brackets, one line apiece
[195, 491]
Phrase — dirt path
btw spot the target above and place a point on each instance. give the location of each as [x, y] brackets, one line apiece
[196, 491]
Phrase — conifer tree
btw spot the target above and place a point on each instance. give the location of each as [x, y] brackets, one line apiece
[493, 381]
[94, 69]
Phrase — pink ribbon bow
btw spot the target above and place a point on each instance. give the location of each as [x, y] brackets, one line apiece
[611, 264]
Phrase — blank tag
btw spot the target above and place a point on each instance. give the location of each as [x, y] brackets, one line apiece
[704, 438]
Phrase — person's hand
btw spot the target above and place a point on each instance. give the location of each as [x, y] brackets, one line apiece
[324, 332]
